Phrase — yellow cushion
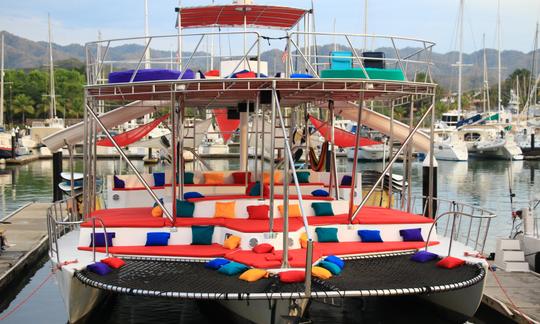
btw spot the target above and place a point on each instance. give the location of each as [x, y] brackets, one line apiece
[294, 211]
[231, 242]
[214, 178]
[225, 209]
[321, 273]
[157, 212]
[252, 275]
[303, 240]
[266, 177]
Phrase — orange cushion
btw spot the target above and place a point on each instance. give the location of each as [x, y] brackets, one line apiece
[266, 177]
[225, 209]
[231, 242]
[294, 211]
[321, 273]
[214, 178]
[252, 275]
[303, 240]
[157, 212]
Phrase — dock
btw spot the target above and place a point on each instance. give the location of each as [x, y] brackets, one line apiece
[523, 288]
[23, 159]
[26, 230]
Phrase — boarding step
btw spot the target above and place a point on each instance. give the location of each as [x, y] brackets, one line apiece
[508, 244]
[509, 256]
[516, 266]
[513, 256]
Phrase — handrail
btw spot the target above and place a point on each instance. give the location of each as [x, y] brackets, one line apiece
[57, 218]
[94, 219]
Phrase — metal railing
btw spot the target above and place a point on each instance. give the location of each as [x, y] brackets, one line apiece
[63, 216]
[457, 221]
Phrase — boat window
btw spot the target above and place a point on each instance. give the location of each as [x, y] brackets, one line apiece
[471, 137]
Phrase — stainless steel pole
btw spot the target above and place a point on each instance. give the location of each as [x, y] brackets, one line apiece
[355, 159]
[272, 159]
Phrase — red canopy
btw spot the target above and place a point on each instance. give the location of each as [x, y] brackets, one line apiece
[233, 16]
[133, 135]
[226, 126]
[342, 138]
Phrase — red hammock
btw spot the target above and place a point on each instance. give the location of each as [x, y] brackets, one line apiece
[342, 138]
[133, 135]
[226, 126]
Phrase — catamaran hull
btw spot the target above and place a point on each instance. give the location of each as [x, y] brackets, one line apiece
[506, 152]
[370, 153]
[266, 312]
[447, 152]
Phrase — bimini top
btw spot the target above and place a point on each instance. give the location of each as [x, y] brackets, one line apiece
[233, 16]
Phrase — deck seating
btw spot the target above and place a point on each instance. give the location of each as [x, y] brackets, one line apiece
[192, 251]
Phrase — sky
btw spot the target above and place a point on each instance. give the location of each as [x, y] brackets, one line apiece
[78, 21]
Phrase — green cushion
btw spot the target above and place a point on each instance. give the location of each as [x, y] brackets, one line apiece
[202, 235]
[322, 208]
[184, 208]
[357, 73]
[332, 267]
[188, 178]
[303, 176]
[327, 234]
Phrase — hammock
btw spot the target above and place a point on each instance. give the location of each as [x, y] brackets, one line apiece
[133, 135]
[342, 138]
[317, 164]
[226, 126]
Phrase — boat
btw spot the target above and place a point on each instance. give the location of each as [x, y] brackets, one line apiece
[529, 237]
[189, 210]
[490, 141]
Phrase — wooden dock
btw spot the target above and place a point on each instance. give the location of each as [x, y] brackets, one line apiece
[26, 230]
[23, 159]
[523, 288]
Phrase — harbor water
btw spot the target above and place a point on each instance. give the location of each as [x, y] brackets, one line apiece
[483, 183]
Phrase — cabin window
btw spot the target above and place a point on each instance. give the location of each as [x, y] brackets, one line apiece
[471, 137]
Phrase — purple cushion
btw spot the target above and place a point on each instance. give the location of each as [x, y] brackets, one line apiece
[149, 75]
[99, 267]
[100, 239]
[412, 235]
[423, 256]
[118, 183]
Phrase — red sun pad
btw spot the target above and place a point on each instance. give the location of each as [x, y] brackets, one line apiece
[345, 248]
[297, 258]
[192, 251]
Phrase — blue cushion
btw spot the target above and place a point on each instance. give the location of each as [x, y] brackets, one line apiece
[233, 268]
[119, 183]
[202, 235]
[216, 263]
[370, 236]
[335, 260]
[346, 180]
[327, 234]
[157, 238]
[303, 176]
[320, 193]
[147, 75]
[255, 189]
[423, 256]
[322, 208]
[193, 194]
[159, 179]
[100, 239]
[161, 201]
[301, 76]
[412, 235]
[99, 268]
[332, 267]
[184, 208]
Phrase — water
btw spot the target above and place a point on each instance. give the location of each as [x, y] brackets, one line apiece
[480, 183]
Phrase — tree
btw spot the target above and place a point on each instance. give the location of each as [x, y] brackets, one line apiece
[23, 105]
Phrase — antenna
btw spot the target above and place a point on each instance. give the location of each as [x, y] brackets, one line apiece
[499, 107]
[2, 83]
[52, 112]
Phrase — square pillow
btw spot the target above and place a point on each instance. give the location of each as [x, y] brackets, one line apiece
[266, 177]
[184, 208]
[303, 240]
[214, 178]
[157, 212]
[411, 235]
[294, 211]
[114, 263]
[292, 276]
[263, 248]
[100, 239]
[157, 239]
[327, 234]
[216, 263]
[240, 177]
[321, 273]
[231, 242]
[320, 193]
[225, 209]
[322, 208]
[253, 275]
[332, 267]
[202, 235]
[346, 180]
[233, 268]
[370, 236]
[99, 268]
[159, 179]
[193, 194]
[450, 263]
[189, 178]
[337, 261]
[258, 212]
[423, 256]
[254, 189]
[303, 176]
[119, 183]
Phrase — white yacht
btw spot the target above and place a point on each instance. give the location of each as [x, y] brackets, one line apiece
[490, 141]
[448, 146]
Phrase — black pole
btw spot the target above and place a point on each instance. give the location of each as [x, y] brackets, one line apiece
[57, 179]
[425, 189]
[13, 146]
[532, 142]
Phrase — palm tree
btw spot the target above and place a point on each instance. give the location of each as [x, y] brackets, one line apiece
[23, 105]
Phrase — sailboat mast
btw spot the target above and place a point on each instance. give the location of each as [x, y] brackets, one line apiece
[499, 99]
[52, 112]
[147, 40]
[365, 23]
[486, 78]
[460, 62]
[2, 83]
[533, 68]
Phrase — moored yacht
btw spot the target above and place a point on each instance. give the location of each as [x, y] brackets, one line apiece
[490, 141]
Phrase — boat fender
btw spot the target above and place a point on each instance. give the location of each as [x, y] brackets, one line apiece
[537, 262]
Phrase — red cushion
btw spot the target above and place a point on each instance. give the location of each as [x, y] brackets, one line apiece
[266, 189]
[214, 73]
[292, 276]
[450, 262]
[263, 248]
[277, 256]
[258, 212]
[245, 75]
[240, 177]
[114, 263]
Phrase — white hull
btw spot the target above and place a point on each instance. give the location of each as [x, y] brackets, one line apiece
[451, 152]
[509, 151]
[530, 245]
[370, 153]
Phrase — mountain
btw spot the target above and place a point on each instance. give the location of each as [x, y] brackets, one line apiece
[26, 54]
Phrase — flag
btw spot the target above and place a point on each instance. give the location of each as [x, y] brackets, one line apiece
[285, 54]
